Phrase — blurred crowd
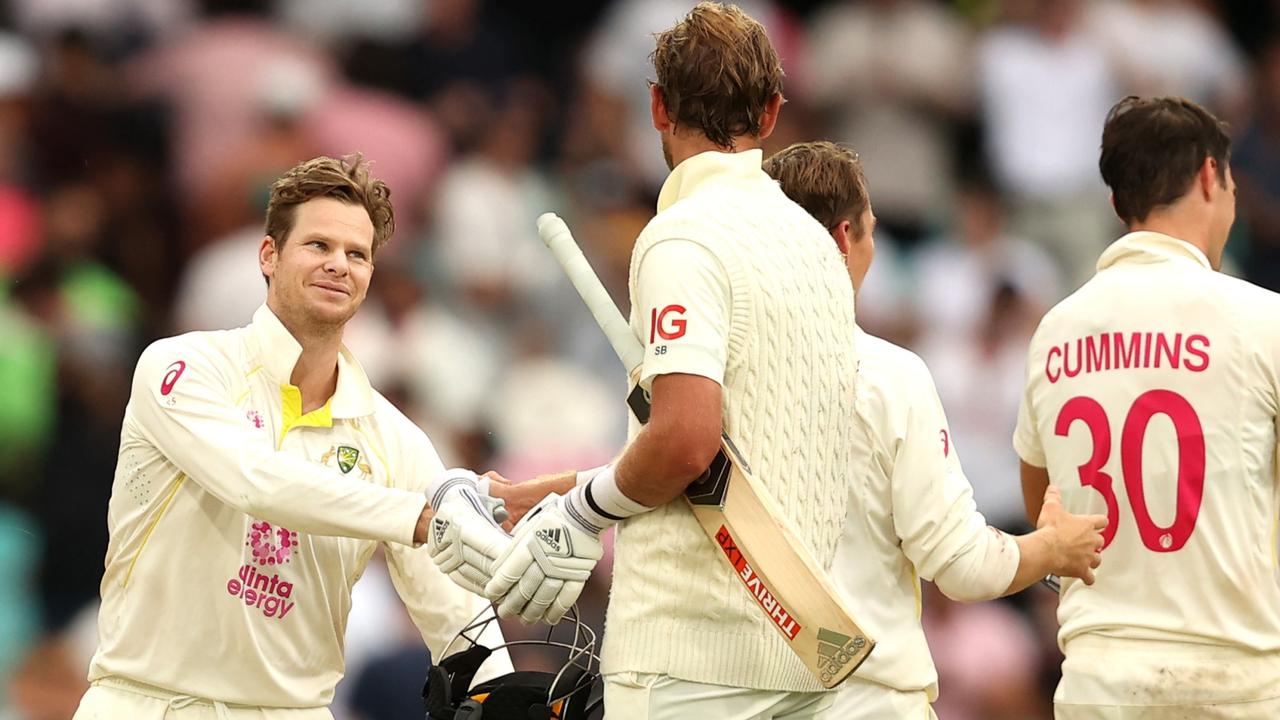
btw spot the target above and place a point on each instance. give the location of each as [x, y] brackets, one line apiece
[138, 139]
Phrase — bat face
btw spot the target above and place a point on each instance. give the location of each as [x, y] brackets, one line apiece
[774, 568]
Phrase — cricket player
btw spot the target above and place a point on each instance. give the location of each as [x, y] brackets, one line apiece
[911, 512]
[258, 472]
[747, 317]
[1152, 396]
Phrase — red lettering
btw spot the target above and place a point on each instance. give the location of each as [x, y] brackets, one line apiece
[1171, 351]
[675, 328]
[1127, 357]
[1146, 351]
[653, 324]
[755, 585]
[1066, 364]
[1097, 353]
[1048, 364]
[171, 375]
[1203, 354]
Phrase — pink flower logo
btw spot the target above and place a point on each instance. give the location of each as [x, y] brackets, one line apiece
[271, 545]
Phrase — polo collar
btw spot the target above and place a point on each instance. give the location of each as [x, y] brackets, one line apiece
[711, 168]
[1146, 246]
[278, 351]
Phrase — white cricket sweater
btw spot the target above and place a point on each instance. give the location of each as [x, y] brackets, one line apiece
[733, 281]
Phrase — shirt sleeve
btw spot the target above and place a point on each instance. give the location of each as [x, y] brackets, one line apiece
[683, 297]
[180, 403]
[1026, 436]
[439, 608]
[934, 512]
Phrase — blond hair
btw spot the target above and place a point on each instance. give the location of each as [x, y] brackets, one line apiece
[716, 71]
[346, 179]
[825, 179]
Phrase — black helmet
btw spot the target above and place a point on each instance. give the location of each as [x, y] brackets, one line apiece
[573, 693]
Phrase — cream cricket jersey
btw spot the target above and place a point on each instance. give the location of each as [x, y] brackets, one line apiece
[911, 514]
[1152, 397]
[734, 282]
[238, 524]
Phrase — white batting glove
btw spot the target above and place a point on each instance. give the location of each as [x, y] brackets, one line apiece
[543, 570]
[464, 538]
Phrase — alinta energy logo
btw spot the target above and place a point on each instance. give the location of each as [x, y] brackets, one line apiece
[270, 546]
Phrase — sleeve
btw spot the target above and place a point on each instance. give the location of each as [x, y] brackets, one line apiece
[934, 513]
[1026, 436]
[440, 609]
[180, 404]
[683, 297]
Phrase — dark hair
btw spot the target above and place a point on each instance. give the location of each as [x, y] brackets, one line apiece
[1152, 149]
[823, 178]
[717, 70]
[346, 179]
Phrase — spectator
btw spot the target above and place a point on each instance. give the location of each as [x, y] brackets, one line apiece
[1046, 88]
[896, 76]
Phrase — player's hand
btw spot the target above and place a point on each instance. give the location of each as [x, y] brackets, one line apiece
[542, 572]
[520, 498]
[464, 538]
[1077, 539]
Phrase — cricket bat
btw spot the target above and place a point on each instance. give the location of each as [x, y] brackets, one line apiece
[738, 515]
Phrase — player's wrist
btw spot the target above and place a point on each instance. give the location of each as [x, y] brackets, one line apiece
[599, 503]
[1052, 547]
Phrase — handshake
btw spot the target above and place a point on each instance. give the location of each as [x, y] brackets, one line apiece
[536, 573]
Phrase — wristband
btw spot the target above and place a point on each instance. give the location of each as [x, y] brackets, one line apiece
[584, 476]
[600, 503]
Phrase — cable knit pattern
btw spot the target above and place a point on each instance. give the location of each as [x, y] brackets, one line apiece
[675, 608]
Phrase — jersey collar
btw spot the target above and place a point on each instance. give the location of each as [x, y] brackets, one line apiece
[710, 168]
[277, 352]
[1146, 246]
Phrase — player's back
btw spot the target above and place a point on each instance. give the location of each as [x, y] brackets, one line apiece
[1152, 397]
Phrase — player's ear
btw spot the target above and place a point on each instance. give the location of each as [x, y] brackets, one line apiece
[658, 108]
[769, 117]
[1208, 178]
[267, 256]
[1112, 199]
[842, 233]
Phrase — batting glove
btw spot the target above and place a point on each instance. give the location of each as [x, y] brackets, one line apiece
[543, 570]
[465, 538]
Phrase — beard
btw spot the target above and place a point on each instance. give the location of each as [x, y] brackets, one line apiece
[666, 153]
[304, 317]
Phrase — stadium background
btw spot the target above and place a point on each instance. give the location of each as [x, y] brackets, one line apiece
[138, 139]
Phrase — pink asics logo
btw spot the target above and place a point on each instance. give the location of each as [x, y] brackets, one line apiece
[271, 546]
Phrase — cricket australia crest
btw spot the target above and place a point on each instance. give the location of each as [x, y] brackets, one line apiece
[347, 458]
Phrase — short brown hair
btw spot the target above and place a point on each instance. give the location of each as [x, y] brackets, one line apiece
[716, 71]
[1152, 149]
[346, 179]
[825, 179]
